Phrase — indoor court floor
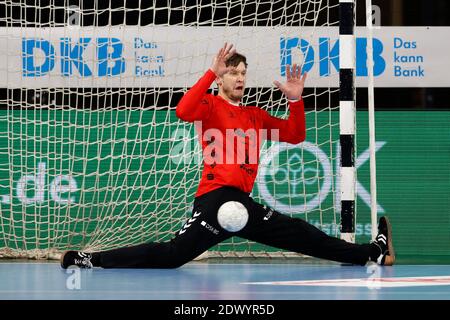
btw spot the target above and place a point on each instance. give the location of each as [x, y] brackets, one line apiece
[225, 281]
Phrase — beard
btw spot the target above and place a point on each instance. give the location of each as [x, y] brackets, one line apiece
[233, 94]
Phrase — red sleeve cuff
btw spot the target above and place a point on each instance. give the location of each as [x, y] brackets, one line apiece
[210, 74]
[296, 102]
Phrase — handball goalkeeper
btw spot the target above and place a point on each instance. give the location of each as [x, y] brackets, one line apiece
[229, 172]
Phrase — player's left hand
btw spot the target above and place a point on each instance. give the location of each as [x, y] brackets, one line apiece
[295, 82]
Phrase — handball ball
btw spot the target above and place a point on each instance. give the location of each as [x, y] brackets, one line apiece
[232, 216]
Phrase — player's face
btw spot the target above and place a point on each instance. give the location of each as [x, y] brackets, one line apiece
[232, 83]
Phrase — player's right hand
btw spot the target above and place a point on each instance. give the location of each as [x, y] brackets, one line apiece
[218, 65]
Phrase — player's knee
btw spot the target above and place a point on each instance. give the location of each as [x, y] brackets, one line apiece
[176, 262]
[177, 258]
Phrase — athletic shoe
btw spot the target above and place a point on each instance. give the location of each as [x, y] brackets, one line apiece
[76, 258]
[384, 242]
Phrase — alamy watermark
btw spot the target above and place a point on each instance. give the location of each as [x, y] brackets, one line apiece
[73, 281]
[376, 16]
[73, 17]
[374, 282]
[220, 146]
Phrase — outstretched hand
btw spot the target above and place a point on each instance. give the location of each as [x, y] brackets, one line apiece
[295, 82]
[218, 65]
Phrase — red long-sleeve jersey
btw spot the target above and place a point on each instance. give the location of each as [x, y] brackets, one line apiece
[231, 135]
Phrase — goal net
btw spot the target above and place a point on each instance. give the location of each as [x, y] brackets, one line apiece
[92, 155]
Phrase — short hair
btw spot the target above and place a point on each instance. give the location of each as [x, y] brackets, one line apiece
[235, 59]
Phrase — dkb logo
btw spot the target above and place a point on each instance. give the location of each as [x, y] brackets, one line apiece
[327, 55]
[299, 177]
[39, 57]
